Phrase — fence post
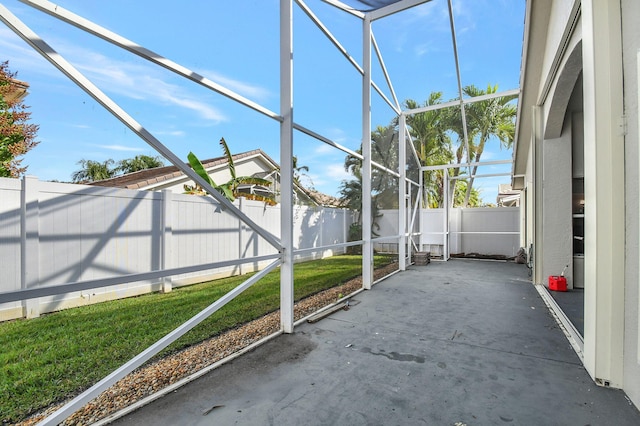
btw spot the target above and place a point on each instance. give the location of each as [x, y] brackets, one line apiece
[345, 234]
[322, 211]
[166, 233]
[402, 195]
[29, 243]
[240, 207]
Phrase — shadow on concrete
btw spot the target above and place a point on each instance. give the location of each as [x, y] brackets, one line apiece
[460, 342]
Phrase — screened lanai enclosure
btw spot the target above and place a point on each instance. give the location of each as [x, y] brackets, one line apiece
[392, 173]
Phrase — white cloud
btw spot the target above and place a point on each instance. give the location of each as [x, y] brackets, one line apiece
[337, 172]
[178, 133]
[22, 56]
[248, 90]
[324, 149]
[487, 155]
[120, 148]
[336, 134]
[424, 48]
[330, 177]
[139, 82]
[127, 78]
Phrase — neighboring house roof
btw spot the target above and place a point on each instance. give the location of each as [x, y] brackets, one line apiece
[17, 90]
[323, 199]
[160, 177]
[507, 196]
[150, 178]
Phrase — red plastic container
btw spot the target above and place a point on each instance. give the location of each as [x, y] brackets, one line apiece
[557, 283]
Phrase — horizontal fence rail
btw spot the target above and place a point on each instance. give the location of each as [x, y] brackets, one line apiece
[122, 279]
[486, 231]
[66, 245]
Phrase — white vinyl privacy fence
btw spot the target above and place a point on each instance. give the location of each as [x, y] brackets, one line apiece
[55, 233]
[484, 231]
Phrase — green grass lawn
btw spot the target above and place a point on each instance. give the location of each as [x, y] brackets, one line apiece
[48, 359]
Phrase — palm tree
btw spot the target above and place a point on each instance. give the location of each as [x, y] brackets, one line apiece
[92, 171]
[433, 145]
[454, 124]
[384, 188]
[230, 189]
[491, 118]
[461, 192]
[299, 172]
[139, 162]
[384, 151]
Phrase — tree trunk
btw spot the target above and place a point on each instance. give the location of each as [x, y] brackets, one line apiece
[479, 150]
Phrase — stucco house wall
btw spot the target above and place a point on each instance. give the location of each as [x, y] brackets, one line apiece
[631, 64]
[578, 118]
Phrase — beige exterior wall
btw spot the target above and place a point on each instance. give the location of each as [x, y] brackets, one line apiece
[596, 45]
[247, 166]
[631, 64]
[604, 201]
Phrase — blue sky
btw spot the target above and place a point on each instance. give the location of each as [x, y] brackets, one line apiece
[236, 44]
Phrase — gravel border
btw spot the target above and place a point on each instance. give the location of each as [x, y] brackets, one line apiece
[170, 370]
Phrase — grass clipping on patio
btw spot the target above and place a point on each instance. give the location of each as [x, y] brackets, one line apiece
[53, 358]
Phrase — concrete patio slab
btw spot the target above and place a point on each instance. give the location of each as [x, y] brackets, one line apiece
[452, 343]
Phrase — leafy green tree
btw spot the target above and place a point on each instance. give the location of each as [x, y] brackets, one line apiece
[230, 189]
[17, 136]
[459, 197]
[139, 162]
[92, 171]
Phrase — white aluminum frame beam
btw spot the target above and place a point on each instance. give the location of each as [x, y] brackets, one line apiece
[480, 98]
[342, 50]
[462, 177]
[367, 246]
[79, 401]
[402, 194]
[40, 46]
[416, 157]
[30, 293]
[113, 38]
[453, 166]
[340, 5]
[447, 212]
[342, 148]
[286, 165]
[386, 73]
[394, 8]
[414, 215]
[327, 247]
[457, 62]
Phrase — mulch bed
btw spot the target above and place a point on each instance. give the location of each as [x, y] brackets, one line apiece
[152, 378]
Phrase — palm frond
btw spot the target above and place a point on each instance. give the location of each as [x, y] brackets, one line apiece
[227, 153]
